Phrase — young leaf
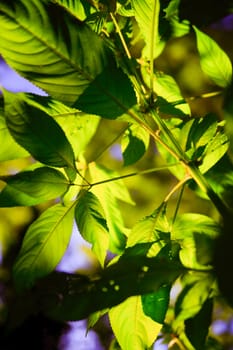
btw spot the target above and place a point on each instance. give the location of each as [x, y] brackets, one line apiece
[9, 148]
[172, 15]
[59, 59]
[44, 245]
[153, 228]
[92, 224]
[134, 144]
[38, 133]
[132, 328]
[214, 61]
[33, 187]
[147, 15]
[109, 194]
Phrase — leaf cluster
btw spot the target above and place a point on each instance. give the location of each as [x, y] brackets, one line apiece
[80, 53]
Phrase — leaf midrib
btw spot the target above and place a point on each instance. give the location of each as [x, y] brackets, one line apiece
[69, 62]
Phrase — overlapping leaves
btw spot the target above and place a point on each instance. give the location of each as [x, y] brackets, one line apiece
[65, 67]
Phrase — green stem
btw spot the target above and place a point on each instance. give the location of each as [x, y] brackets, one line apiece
[191, 169]
[143, 172]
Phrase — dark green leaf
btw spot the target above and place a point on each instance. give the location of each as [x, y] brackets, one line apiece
[58, 294]
[90, 218]
[37, 132]
[44, 244]
[197, 328]
[134, 144]
[33, 187]
[79, 127]
[59, 59]
[155, 305]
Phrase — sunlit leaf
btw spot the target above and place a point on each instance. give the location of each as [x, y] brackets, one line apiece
[206, 141]
[44, 244]
[166, 87]
[90, 218]
[9, 148]
[109, 193]
[196, 234]
[147, 15]
[134, 144]
[153, 228]
[80, 9]
[132, 328]
[179, 28]
[214, 61]
[193, 296]
[32, 187]
[37, 132]
[64, 67]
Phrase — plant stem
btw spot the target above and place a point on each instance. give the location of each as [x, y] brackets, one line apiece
[143, 172]
[154, 31]
[191, 169]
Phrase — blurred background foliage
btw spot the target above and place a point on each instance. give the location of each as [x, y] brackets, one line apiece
[179, 59]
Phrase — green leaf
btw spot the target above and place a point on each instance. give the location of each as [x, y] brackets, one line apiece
[155, 305]
[79, 127]
[9, 148]
[90, 218]
[80, 9]
[58, 294]
[206, 142]
[166, 87]
[59, 59]
[197, 328]
[193, 296]
[109, 193]
[33, 187]
[220, 177]
[44, 244]
[214, 61]
[153, 228]
[147, 15]
[172, 15]
[196, 234]
[134, 144]
[132, 328]
[38, 133]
